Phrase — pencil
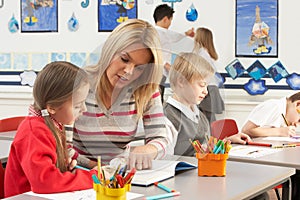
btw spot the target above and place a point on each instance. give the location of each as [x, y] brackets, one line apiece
[99, 167]
[259, 144]
[286, 122]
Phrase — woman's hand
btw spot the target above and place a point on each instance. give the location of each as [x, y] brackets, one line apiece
[141, 157]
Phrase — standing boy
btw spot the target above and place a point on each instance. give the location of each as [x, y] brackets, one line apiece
[163, 16]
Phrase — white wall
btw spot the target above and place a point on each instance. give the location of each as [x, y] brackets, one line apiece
[218, 15]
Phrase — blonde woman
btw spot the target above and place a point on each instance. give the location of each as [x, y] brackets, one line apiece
[124, 91]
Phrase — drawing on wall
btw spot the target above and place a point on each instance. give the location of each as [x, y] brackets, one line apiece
[113, 12]
[256, 28]
[39, 16]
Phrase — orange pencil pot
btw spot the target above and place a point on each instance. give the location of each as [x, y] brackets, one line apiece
[105, 193]
[211, 164]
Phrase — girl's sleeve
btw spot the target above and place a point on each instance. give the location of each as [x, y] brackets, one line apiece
[37, 156]
[155, 125]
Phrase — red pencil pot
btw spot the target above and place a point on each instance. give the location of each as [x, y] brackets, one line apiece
[211, 164]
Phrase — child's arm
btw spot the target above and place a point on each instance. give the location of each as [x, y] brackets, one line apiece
[254, 130]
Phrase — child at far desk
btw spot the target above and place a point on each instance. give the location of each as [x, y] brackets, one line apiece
[38, 159]
[188, 78]
[274, 117]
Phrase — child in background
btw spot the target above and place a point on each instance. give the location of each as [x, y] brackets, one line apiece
[38, 159]
[204, 46]
[188, 78]
[266, 118]
[163, 17]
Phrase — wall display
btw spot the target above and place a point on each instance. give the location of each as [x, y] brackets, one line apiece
[85, 3]
[73, 23]
[256, 28]
[13, 24]
[39, 16]
[172, 2]
[113, 12]
[191, 13]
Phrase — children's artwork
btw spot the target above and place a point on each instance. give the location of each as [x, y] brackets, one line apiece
[256, 28]
[235, 69]
[113, 12]
[73, 23]
[293, 81]
[191, 13]
[256, 70]
[13, 25]
[39, 16]
[277, 72]
[254, 87]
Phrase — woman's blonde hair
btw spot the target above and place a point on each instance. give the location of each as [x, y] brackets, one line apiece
[189, 66]
[204, 38]
[53, 86]
[132, 31]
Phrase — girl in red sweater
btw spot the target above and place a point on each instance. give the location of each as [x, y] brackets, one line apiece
[38, 159]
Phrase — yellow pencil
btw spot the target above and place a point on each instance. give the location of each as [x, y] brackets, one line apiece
[286, 122]
[99, 167]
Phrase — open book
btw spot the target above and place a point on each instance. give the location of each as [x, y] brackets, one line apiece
[161, 170]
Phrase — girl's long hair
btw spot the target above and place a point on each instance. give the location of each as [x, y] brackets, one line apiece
[53, 86]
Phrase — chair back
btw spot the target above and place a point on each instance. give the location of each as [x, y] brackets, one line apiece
[1, 181]
[223, 128]
[10, 124]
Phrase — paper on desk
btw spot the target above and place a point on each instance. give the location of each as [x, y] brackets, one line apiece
[282, 139]
[89, 194]
[251, 151]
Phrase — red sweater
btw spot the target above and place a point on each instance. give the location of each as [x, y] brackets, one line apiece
[31, 163]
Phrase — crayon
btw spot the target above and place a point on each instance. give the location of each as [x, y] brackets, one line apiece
[83, 168]
[162, 196]
[259, 144]
[163, 187]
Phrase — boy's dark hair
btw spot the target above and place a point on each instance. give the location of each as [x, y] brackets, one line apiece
[162, 11]
[295, 97]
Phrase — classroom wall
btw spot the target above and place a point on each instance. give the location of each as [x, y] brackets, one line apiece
[217, 15]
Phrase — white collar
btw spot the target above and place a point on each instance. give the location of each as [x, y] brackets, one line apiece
[192, 115]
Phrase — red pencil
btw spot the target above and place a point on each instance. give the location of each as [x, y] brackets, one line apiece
[259, 144]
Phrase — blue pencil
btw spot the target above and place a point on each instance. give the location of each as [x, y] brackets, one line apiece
[162, 196]
[83, 168]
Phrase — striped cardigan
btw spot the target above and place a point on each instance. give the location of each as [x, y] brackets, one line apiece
[106, 132]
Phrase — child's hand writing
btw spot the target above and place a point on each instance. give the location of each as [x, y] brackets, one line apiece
[72, 164]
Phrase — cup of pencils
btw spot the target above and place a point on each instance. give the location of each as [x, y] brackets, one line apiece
[212, 158]
[111, 183]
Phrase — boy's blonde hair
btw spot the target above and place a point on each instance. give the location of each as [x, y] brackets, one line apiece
[132, 31]
[191, 67]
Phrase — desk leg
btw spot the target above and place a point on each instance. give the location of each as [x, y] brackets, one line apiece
[287, 190]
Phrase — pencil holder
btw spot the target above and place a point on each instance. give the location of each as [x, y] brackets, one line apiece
[211, 164]
[106, 193]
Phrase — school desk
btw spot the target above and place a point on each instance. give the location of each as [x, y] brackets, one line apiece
[242, 181]
[288, 157]
[4, 150]
[9, 135]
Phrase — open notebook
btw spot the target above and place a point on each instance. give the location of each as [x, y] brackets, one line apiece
[161, 170]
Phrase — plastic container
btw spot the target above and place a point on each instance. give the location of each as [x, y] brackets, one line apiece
[211, 164]
[105, 193]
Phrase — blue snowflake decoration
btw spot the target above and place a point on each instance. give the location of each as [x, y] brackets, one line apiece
[257, 70]
[255, 87]
[293, 81]
[28, 78]
[277, 72]
[235, 69]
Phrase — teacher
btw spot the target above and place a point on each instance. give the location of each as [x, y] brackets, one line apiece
[124, 90]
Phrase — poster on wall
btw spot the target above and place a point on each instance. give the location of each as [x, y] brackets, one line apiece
[39, 16]
[113, 12]
[256, 28]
